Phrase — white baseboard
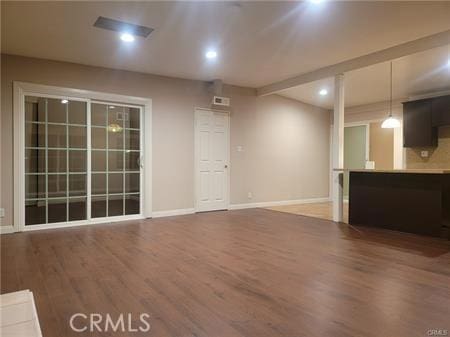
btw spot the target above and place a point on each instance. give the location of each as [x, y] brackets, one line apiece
[279, 203]
[6, 229]
[173, 212]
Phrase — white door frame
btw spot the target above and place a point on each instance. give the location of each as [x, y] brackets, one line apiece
[196, 180]
[22, 89]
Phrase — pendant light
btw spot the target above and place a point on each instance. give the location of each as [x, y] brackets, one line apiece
[390, 122]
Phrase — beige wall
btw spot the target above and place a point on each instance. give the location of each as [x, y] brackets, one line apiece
[439, 157]
[285, 142]
[381, 146]
[373, 112]
[285, 149]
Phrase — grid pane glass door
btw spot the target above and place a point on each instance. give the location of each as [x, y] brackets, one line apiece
[55, 160]
[115, 160]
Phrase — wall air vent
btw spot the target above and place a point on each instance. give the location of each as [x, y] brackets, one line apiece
[223, 101]
[122, 27]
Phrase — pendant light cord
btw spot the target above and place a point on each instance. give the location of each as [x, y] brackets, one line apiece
[391, 122]
[390, 102]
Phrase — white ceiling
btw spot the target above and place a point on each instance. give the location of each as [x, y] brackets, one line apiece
[258, 42]
[413, 75]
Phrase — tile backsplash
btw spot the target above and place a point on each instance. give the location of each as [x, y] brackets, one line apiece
[438, 157]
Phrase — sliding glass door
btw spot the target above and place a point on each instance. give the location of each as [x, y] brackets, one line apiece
[82, 160]
[115, 160]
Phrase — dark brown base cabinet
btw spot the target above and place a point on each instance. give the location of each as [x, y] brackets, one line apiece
[408, 202]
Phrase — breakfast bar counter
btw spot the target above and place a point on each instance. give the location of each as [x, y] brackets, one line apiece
[414, 201]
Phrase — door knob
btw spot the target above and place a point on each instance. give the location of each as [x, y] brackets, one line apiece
[226, 166]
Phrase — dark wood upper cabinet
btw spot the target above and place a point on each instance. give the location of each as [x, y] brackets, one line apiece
[440, 107]
[418, 130]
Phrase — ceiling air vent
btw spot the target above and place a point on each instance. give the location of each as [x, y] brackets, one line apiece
[120, 26]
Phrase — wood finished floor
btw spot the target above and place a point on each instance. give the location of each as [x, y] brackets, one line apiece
[255, 273]
[322, 210]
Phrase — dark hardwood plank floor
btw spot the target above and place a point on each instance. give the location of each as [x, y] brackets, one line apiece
[253, 273]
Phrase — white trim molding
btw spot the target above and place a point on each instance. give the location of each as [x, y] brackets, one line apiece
[399, 150]
[279, 203]
[19, 156]
[173, 212]
[22, 89]
[94, 221]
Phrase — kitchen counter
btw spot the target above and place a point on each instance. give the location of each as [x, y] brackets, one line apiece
[415, 171]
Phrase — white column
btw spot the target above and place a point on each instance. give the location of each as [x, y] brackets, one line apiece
[338, 148]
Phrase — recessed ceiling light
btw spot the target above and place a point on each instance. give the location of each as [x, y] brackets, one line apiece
[323, 92]
[211, 54]
[64, 101]
[315, 1]
[127, 37]
[111, 106]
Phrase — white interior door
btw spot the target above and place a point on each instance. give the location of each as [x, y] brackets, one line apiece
[211, 160]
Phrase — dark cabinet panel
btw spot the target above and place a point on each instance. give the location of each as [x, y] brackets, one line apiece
[407, 202]
[440, 107]
[417, 124]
